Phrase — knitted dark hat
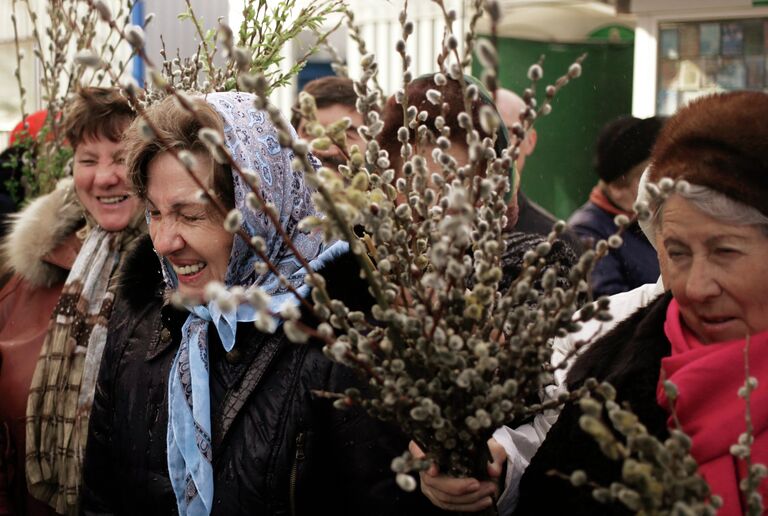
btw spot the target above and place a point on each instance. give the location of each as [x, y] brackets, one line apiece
[623, 143]
[721, 142]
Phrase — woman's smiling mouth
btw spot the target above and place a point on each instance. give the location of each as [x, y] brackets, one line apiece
[188, 271]
[115, 199]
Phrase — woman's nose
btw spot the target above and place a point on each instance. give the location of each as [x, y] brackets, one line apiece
[701, 283]
[165, 238]
[109, 175]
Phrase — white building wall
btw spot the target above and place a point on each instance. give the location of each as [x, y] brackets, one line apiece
[380, 27]
[180, 34]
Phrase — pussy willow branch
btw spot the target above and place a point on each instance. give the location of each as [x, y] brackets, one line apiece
[553, 403]
[754, 501]
[201, 35]
[495, 45]
[559, 84]
[357, 37]
[473, 163]
[349, 355]
[469, 41]
[39, 44]
[404, 61]
[114, 77]
[53, 70]
[349, 236]
[22, 90]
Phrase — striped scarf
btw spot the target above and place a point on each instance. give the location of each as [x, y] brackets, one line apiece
[62, 388]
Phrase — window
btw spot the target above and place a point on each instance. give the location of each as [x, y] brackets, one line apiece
[697, 58]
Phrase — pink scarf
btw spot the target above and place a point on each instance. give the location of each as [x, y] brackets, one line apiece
[708, 378]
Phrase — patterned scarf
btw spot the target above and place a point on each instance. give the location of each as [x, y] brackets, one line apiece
[252, 140]
[62, 388]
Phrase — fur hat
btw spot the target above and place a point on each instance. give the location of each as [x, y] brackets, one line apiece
[721, 142]
[623, 144]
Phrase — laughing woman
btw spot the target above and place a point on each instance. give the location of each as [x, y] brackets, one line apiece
[64, 251]
[197, 410]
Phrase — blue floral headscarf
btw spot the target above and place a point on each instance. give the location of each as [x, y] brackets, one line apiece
[252, 140]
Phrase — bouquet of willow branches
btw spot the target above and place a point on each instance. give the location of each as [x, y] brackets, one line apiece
[448, 356]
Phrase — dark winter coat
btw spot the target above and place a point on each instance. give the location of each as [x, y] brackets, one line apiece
[560, 256]
[532, 218]
[633, 264]
[629, 357]
[278, 449]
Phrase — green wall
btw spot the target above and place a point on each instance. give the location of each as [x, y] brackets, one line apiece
[559, 174]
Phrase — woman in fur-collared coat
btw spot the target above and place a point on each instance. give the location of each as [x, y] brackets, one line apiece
[59, 262]
[40, 249]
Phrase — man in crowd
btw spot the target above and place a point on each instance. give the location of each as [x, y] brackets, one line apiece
[621, 155]
[532, 218]
[335, 98]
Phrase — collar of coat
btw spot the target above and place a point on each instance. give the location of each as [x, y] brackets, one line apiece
[39, 245]
[629, 358]
[141, 290]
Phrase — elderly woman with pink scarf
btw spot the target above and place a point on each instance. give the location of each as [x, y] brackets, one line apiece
[711, 234]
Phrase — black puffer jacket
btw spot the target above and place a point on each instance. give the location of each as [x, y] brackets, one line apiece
[277, 448]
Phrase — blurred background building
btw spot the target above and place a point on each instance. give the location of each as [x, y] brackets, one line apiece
[645, 57]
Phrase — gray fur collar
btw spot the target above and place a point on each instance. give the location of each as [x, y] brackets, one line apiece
[39, 229]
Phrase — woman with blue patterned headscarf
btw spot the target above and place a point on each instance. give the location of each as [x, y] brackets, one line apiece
[198, 410]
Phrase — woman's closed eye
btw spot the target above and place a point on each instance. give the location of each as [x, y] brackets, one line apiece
[677, 252]
[727, 251]
[191, 216]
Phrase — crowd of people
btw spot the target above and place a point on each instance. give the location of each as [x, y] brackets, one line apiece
[115, 400]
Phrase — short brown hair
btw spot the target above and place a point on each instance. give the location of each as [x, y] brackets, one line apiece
[327, 91]
[176, 129]
[452, 97]
[96, 113]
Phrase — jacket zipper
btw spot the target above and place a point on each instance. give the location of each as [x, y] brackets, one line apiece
[295, 470]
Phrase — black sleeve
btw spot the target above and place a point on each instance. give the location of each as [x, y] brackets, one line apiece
[566, 449]
[100, 477]
[364, 448]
